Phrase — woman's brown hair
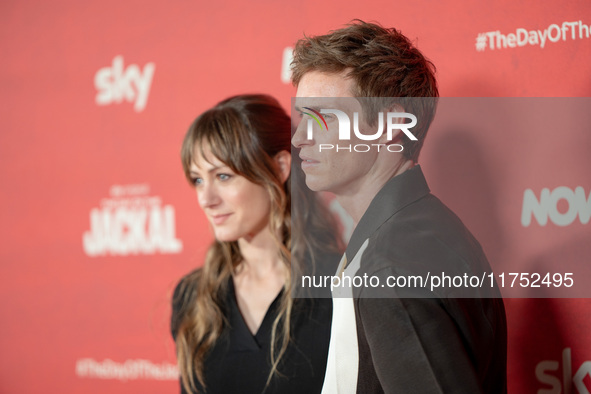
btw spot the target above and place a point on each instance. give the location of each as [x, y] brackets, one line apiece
[245, 133]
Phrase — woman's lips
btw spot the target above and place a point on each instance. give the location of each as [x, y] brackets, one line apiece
[219, 219]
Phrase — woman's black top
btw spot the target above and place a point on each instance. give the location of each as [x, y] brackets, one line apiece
[240, 361]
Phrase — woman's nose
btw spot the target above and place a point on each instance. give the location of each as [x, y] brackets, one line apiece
[207, 195]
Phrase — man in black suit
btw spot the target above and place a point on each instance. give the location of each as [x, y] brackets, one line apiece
[420, 337]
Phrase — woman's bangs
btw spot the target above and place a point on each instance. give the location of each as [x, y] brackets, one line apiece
[219, 136]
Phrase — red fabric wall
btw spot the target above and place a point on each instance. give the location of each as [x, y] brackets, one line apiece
[96, 97]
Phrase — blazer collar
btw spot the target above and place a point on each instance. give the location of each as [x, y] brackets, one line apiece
[397, 193]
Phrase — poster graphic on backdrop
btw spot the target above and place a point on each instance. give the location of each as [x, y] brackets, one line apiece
[552, 34]
[131, 222]
[115, 84]
[133, 369]
[286, 59]
[559, 377]
[546, 206]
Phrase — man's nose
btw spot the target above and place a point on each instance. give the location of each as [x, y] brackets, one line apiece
[300, 137]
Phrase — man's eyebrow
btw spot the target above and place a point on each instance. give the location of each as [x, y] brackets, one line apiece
[312, 107]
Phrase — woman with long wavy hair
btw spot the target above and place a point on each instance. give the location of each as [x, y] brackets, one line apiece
[236, 325]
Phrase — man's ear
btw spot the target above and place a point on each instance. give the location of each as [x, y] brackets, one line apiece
[283, 161]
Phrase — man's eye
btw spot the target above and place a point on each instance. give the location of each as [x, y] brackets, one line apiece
[224, 177]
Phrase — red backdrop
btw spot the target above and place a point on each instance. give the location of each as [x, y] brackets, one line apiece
[98, 222]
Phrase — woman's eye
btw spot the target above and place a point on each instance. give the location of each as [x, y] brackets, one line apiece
[224, 177]
[197, 181]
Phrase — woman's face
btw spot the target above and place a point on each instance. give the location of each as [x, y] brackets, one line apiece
[236, 207]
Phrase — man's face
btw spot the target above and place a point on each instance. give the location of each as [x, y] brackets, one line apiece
[340, 172]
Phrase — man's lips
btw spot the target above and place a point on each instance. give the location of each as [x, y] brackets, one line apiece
[308, 162]
[219, 218]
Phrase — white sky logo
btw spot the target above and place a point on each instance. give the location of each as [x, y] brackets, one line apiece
[115, 84]
[131, 223]
[565, 381]
[522, 37]
[547, 206]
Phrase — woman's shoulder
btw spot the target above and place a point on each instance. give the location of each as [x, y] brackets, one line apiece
[183, 297]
